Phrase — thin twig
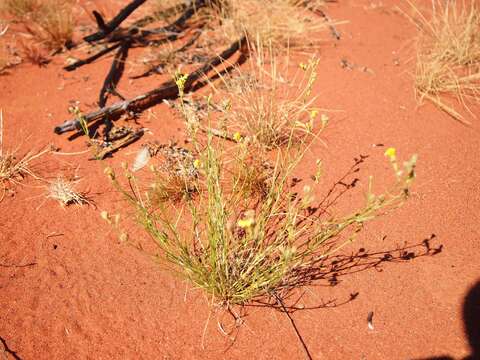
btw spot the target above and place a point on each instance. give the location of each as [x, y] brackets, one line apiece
[18, 266]
[297, 332]
[8, 350]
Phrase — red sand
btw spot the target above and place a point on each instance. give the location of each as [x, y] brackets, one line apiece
[90, 297]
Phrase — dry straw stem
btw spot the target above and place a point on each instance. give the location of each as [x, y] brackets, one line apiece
[448, 55]
[4, 56]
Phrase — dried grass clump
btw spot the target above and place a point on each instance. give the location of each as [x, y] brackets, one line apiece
[166, 9]
[12, 168]
[448, 58]
[281, 24]
[50, 22]
[20, 9]
[251, 172]
[175, 177]
[171, 187]
[56, 23]
[64, 191]
[270, 110]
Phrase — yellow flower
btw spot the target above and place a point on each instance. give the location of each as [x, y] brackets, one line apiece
[303, 66]
[196, 163]
[391, 153]
[237, 137]
[313, 114]
[180, 81]
[246, 223]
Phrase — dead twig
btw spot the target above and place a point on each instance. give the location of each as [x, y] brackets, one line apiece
[105, 29]
[167, 90]
[7, 350]
[18, 266]
[137, 37]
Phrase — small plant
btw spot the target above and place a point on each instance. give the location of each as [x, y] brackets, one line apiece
[279, 24]
[238, 249]
[64, 191]
[176, 178]
[75, 111]
[13, 169]
[20, 9]
[50, 22]
[271, 111]
[251, 234]
[448, 55]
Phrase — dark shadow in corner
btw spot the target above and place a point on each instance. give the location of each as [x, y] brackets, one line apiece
[471, 319]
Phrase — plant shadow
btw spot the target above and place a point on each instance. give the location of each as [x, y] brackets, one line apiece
[330, 270]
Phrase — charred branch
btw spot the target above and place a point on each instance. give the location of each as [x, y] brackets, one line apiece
[105, 29]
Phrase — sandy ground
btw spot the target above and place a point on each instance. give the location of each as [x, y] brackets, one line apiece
[87, 296]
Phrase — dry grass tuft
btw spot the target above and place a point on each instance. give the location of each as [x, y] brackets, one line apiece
[34, 53]
[166, 9]
[281, 24]
[251, 172]
[270, 110]
[175, 178]
[50, 22]
[64, 191]
[20, 9]
[448, 58]
[13, 169]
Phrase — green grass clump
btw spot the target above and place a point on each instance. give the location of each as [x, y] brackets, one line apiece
[250, 232]
[238, 248]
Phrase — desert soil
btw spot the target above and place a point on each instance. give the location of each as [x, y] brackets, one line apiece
[88, 296]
